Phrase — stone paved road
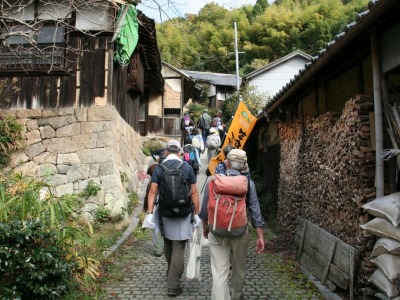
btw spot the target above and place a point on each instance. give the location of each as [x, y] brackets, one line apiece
[141, 275]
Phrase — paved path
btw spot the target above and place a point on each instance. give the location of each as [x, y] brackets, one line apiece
[141, 275]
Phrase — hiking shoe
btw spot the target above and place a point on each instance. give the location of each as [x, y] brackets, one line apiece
[174, 292]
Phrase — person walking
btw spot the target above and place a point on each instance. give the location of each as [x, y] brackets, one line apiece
[213, 142]
[207, 124]
[186, 126]
[224, 250]
[177, 218]
[197, 140]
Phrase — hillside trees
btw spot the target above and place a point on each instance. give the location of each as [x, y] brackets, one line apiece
[265, 32]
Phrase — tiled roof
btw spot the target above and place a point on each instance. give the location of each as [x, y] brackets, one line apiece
[214, 78]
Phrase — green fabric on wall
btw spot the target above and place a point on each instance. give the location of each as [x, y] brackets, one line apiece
[128, 36]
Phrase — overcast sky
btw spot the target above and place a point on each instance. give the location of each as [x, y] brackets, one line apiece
[178, 8]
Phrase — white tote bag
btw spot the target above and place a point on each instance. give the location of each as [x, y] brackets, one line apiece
[194, 260]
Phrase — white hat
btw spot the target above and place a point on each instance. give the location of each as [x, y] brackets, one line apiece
[237, 155]
[213, 130]
[173, 144]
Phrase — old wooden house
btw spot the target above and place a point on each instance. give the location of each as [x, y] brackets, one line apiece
[66, 58]
[164, 111]
[83, 72]
[320, 140]
[217, 87]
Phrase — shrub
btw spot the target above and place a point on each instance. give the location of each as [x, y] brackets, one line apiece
[152, 144]
[91, 189]
[33, 261]
[146, 151]
[102, 215]
[10, 137]
[133, 201]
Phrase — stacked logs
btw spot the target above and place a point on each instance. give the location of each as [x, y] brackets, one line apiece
[289, 184]
[327, 173]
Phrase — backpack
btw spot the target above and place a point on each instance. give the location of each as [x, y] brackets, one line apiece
[189, 155]
[227, 210]
[196, 142]
[201, 123]
[185, 122]
[213, 141]
[174, 195]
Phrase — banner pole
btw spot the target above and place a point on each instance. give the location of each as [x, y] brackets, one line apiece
[205, 181]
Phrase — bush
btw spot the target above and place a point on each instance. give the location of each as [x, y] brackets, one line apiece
[103, 215]
[10, 137]
[152, 144]
[147, 151]
[33, 261]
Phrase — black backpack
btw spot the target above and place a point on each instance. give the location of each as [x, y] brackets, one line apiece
[174, 196]
[201, 123]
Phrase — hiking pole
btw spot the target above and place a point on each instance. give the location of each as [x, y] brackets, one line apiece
[205, 181]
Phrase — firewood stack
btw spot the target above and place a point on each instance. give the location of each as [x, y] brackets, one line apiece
[290, 191]
[327, 174]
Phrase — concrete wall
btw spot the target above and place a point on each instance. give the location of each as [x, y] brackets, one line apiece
[68, 147]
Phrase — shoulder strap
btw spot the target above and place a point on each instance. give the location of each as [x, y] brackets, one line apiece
[180, 165]
[164, 167]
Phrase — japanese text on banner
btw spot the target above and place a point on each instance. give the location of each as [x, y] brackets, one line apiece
[240, 129]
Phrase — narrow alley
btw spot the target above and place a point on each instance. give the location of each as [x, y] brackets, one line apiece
[141, 275]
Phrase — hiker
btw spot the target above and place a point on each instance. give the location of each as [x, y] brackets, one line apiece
[178, 208]
[158, 247]
[191, 156]
[186, 126]
[213, 142]
[227, 249]
[197, 140]
[207, 124]
[221, 167]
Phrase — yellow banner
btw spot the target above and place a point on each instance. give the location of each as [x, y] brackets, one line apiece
[240, 129]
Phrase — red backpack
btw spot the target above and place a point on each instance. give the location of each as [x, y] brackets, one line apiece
[227, 212]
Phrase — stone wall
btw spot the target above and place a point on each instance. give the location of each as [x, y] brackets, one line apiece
[68, 147]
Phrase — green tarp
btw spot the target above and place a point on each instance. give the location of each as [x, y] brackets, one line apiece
[128, 36]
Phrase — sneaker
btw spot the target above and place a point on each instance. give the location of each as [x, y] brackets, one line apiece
[174, 292]
[157, 253]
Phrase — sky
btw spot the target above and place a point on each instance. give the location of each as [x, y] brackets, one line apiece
[178, 8]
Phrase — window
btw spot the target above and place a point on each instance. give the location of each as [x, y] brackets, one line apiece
[21, 54]
[47, 34]
[172, 111]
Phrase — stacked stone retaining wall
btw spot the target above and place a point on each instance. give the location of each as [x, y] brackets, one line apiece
[68, 147]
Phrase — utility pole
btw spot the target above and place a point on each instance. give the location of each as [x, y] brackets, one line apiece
[237, 59]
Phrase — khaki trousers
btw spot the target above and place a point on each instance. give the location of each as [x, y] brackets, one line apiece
[223, 252]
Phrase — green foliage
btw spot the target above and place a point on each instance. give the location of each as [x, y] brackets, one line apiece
[133, 201]
[146, 151]
[58, 239]
[102, 215]
[124, 177]
[195, 111]
[203, 42]
[254, 101]
[152, 144]
[10, 137]
[33, 261]
[91, 189]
